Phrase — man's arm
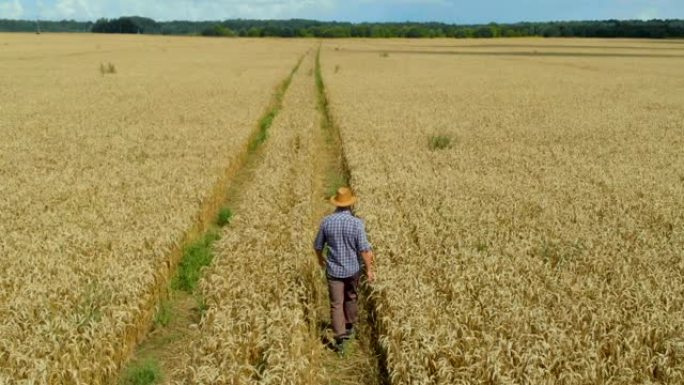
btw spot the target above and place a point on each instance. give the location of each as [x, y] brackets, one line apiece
[321, 259]
[368, 260]
[319, 245]
[364, 246]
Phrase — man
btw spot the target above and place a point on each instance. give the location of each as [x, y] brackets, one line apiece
[345, 236]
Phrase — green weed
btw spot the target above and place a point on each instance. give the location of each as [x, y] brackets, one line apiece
[334, 182]
[224, 216]
[144, 373]
[195, 257]
[108, 68]
[439, 142]
[164, 314]
[264, 124]
[481, 246]
[202, 305]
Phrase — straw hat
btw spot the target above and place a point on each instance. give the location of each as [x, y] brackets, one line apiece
[343, 198]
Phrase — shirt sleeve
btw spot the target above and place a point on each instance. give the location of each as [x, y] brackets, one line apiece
[319, 243]
[362, 243]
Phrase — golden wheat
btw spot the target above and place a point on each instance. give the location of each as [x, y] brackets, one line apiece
[545, 244]
[525, 199]
[103, 176]
[257, 328]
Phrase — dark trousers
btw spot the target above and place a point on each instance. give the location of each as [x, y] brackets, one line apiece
[343, 308]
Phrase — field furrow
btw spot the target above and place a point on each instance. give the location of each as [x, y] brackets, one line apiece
[257, 328]
[363, 361]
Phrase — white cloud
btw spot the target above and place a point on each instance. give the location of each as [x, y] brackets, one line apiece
[224, 9]
[72, 9]
[184, 9]
[11, 9]
[648, 14]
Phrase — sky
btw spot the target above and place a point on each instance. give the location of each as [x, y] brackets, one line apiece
[448, 11]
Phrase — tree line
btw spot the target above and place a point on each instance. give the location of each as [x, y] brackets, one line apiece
[672, 28]
[7, 25]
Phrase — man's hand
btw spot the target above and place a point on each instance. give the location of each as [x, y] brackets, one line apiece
[321, 260]
[371, 276]
[368, 259]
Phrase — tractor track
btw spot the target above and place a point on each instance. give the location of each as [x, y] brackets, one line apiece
[367, 362]
[162, 343]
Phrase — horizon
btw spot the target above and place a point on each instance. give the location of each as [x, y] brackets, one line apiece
[352, 11]
[341, 21]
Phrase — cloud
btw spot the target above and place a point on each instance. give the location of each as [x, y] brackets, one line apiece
[261, 9]
[648, 14]
[186, 9]
[71, 9]
[11, 9]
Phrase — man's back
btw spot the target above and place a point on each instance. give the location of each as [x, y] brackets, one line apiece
[345, 234]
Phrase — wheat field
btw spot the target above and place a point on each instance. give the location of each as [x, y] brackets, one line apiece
[103, 175]
[526, 199]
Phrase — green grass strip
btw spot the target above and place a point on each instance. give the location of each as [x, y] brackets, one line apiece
[195, 257]
[145, 373]
[269, 116]
[336, 177]
[199, 254]
[164, 314]
[322, 98]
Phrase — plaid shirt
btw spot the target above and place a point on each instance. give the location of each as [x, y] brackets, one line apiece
[346, 237]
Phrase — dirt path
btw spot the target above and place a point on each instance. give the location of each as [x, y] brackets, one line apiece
[361, 364]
